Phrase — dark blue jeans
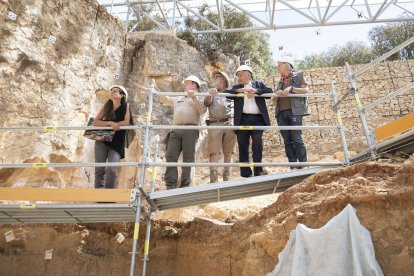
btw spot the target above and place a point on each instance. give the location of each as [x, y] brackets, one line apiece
[294, 147]
[243, 140]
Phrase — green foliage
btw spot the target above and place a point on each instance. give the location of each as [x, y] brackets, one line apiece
[353, 52]
[252, 45]
[142, 21]
[383, 38]
[386, 37]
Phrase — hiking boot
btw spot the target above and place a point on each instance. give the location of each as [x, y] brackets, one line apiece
[264, 172]
[226, 175]
[213, 176]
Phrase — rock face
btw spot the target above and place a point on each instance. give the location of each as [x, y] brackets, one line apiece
[54, 59]
[56, 62]
[382, 193]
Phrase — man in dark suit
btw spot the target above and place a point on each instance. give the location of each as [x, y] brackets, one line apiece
[249, 111]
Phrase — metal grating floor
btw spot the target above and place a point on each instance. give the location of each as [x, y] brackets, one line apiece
[66, 213]
[236, 189]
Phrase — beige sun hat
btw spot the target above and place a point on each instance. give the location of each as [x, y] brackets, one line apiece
[226, 77]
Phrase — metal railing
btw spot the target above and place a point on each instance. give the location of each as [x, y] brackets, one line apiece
[369, 135]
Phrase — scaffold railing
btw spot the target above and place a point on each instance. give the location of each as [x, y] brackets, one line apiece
[369, 134]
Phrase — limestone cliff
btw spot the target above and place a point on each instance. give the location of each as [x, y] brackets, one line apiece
[56, 62]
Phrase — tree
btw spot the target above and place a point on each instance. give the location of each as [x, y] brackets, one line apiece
[253, 46]
[386, 37]
[143, 21]
[353, 52]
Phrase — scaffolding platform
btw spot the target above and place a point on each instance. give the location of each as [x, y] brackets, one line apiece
[121, 212]
[66, 213]
[235, 189]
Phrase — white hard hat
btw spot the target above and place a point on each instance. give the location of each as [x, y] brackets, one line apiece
[244, 68]
[287, 59]
[123, 90]
[194, 79]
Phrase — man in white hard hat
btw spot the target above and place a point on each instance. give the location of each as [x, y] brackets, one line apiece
[250, 111]
[187, 111]
[290, 110]
[220, 114]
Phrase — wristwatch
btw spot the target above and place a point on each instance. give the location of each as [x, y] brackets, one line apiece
[291, 89]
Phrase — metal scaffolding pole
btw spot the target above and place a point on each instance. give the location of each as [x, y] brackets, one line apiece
[361, 111]
[267, 95]
[341, 126]
[145, 164]
[187, 127]
[148, 225]
[61, 128]
[365, 68]
[402, 90]
[127, 16]
[262, 164]
[142, 181]
[67, 165]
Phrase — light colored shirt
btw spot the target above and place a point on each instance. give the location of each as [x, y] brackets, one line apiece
[186, 109]
[220, 108]
[250, 105]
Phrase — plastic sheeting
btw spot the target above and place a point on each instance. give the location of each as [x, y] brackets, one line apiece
[342, 247]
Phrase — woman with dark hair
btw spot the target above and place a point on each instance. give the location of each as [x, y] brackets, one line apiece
[115, 113]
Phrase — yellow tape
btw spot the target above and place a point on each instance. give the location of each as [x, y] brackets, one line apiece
[136, 231]
[246, 127]
[146, 248]
[358, 100]
[241, 95]
[339, 119]
[39, 165]
[50, 128]
[153, 173]
[148, 118]
[245, 165]
[27, 206]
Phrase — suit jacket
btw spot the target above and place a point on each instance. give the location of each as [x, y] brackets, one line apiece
[239, 101]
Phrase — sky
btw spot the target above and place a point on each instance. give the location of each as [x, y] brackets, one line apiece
[305, 41]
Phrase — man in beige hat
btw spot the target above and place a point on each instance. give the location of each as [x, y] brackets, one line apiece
[220, 114]
[187, 111]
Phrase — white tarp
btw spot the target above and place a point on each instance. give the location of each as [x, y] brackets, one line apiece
[342, 247]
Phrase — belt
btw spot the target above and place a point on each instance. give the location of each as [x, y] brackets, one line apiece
[249, 114]
[219, 121]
